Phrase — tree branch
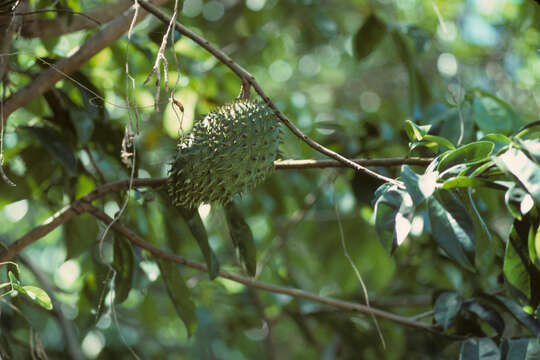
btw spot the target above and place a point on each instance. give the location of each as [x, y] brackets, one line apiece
[320, 164]
[34, 27]
[75, 208]
[246, 77]
[341, 304]
[91, 47]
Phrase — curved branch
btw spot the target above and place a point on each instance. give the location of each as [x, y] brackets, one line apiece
[71, 211]
[321, 164]
[247, 77]
[76, 207]
[341, 304]
[34, 27]
[91, 47]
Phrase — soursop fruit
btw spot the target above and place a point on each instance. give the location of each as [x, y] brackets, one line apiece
[230, 151]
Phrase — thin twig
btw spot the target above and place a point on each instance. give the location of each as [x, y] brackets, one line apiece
[46, 80]
[42, 28]
[320, 164]
[247, 77]
[346, 305]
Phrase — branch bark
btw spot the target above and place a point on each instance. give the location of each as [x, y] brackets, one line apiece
[34, 27]
[247, 78]
[91, 47]
[320, 164]
[341, 304]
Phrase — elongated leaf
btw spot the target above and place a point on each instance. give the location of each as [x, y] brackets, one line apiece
[179, 294]
[242, 238]
[55, 145]
[465, 181]
[196, 227]
[447, 307]
[525, 170]
[523, 317]
[123, 263]
[419, 187]
[515, 268]
[79, 234]
[392, 209]
[440, 141]
[479, 349]
[487, 314]
[523, 349]
[492, 115]
[416, 132]
[468, 153]
[368, 37]
[37, 295]
[452, 227]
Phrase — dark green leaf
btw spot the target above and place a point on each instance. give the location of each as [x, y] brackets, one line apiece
[196, 227]
[368, 37]
[123, 263]
[515, 309]
[179, 294]
[439, 141]
[479, 349]
[79, 234]
[452, 227]
[486, 313]
[466, 154]
[492, 115]
[523, 349]
[242, 238]
[55, 145]
[447, 307]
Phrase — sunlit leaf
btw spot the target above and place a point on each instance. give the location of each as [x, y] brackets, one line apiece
[37, 295]
[524, 169]
[466, 154]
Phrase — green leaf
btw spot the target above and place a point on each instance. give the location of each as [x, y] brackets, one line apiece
[447, 307]
[499, 141]
[123, 263]
[492, 115]
[37, 295]
[515, 266]
[479, 349]
[524, 169]
[452, 227]
[196, 226]
[518, 201]
[466, 154]
[55, 145]
[79, 234]
[416, 132]
[439, 141]
[392, 210]
[487, 314]
[242, 238]
[419, 187]
[179, 294]
[368, 37]
[523, 349]
[464, 181]
[523, 317]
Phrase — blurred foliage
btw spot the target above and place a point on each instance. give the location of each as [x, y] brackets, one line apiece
[455, 80]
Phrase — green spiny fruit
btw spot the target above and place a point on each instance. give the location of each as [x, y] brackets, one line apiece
[230, 151]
